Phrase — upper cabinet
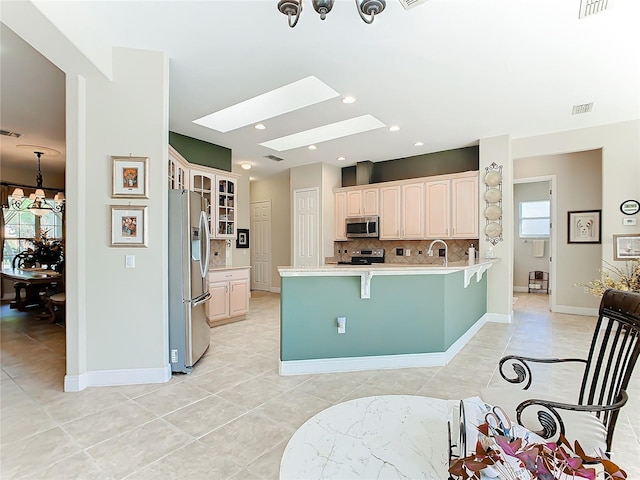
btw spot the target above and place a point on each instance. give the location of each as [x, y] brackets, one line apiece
[438, 208]
[390, 211]
[464, 207]
[362, 202]
[412, 224]
[217, 186]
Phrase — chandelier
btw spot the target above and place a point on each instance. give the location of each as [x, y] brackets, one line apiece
[367, 9]
[37, 203]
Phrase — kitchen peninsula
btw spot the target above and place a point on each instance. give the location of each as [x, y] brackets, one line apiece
[396, 316]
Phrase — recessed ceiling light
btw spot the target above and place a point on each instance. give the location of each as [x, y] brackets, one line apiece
[394, 128]
[341, 158]
[344, 128]
[260, 126]
[418, 144]
[312, 147]
[285, 99]
[246, 166]
[348, 99]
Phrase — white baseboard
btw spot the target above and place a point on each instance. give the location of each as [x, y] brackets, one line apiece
[590, 312]
[110, 378]
[382, 362]
[521, 289]
[499, 317]
[275, 290]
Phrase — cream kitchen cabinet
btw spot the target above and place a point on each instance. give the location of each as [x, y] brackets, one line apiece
[362, 202]
[203, 182]
[229, 302]
[178, 174]
[340, 204]
[464, 207]
[220, 192]
[402, 211]
[438, 208]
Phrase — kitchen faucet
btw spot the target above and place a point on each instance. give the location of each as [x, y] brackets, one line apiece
[446, 250]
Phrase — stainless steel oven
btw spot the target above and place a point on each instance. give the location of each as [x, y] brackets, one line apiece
[359, 227]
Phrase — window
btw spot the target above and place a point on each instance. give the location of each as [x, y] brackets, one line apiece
[21, 226]
[535, 219]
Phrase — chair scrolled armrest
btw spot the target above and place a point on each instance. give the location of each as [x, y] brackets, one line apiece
[520, 366]
[550, 418]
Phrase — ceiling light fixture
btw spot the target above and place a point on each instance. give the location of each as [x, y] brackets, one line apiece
[418, 144]
[312, 147]
[340, 159]
[348, 99]
[367, 9]
[37, 203]
[260, 126]
[394, 128]
[246, 166]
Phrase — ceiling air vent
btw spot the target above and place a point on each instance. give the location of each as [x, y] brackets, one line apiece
[407, 4]
[584, 108]
[7, 133]
[274, 158]
[591, 7]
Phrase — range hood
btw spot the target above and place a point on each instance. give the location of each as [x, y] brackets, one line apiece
[363, 172]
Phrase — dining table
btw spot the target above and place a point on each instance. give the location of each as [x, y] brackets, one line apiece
[33, 281]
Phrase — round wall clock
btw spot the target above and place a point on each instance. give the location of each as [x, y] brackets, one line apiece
[630, 207]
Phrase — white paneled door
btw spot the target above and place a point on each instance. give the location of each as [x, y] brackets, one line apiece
[306, 220]
[261, 246]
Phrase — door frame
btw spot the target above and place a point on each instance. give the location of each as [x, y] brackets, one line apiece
[270, 253]
[553, 236]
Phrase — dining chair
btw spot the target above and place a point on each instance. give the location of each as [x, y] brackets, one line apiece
[590, 416]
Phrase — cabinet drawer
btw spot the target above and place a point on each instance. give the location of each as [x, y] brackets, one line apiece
[226, 275]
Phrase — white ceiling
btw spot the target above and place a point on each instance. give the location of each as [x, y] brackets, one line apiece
[448, 72]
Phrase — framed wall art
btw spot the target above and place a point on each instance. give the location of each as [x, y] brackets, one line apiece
[242, 240]
[130, 177]
[626, 247]
[584, 226]
[129, 226]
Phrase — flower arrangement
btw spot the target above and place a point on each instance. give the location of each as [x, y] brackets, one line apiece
[512, 458]
[46, 251]
[628, 279]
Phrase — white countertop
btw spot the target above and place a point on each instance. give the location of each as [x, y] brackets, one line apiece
[367, 272]
[222, 269]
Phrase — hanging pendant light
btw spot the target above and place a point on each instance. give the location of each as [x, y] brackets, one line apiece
[37, 203]
[367, 9]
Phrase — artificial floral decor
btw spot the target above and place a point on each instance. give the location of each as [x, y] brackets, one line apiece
[46, 251]
[625, 278]
[508, 458]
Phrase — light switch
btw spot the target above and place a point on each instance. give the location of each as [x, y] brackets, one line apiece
[130, 261]
[628, 221]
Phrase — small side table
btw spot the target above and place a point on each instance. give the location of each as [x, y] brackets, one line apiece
[538, 282]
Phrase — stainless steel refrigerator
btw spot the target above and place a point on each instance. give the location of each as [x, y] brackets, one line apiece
[188, 284]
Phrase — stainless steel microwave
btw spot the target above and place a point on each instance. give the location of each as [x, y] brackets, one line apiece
[358, 227]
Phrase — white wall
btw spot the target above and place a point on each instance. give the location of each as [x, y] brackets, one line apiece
[523, 259]
[578, 187]
[240, 257]
[116, 318]
[331, 178]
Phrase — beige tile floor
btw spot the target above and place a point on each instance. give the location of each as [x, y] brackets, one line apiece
[232, 417]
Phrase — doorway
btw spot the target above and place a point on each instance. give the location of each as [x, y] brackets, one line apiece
[534, 209]
[305, 228]
[261, 246]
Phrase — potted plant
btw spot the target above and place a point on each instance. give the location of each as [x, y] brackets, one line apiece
[46, 252]
[625, 278]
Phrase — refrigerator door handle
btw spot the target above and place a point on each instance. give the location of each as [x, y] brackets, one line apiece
[201, 300]
[204, 229]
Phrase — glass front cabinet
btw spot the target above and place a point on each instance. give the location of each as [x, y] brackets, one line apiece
[225, 220]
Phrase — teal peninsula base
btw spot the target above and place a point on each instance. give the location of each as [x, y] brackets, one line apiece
[409, 317]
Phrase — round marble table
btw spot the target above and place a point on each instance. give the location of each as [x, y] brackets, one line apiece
[382, 437]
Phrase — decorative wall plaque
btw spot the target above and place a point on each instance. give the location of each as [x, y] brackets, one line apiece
[493, 199]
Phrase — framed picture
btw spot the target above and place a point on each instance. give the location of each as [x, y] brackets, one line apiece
[584, 226]
[130, 177]
[128, 226]
[626, 247]
[242, 240]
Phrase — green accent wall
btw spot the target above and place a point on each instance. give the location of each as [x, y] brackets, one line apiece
[201, 152]
[406, 314]
[427, 165]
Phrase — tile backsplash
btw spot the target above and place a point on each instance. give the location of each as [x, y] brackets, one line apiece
[418, 250]
[218, 256]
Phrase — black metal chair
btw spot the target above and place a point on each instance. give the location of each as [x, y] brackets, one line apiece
[591, 421]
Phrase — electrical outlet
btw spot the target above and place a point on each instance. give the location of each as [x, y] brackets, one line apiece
[174, 355]
[342, 324]
[399, 252]
[407, 252]
[419, 252]
[441, 252]
[585, 289]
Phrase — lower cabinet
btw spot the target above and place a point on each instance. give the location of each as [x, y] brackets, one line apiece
[229, 300]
